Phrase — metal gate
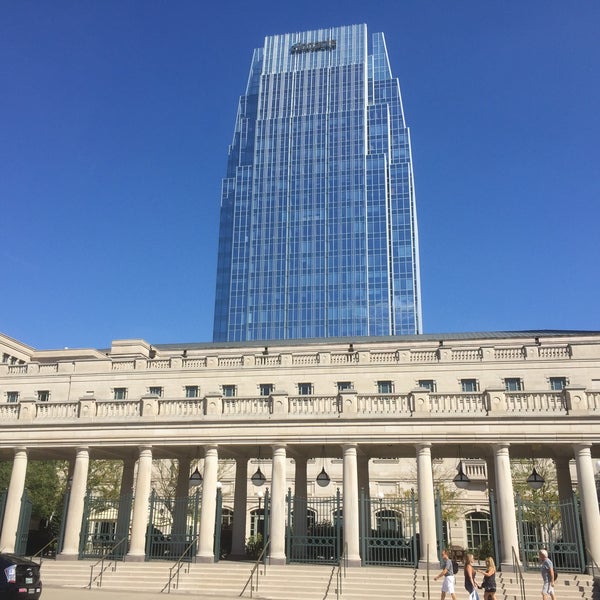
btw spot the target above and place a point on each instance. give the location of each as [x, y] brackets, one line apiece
[388, 527]
[172, 526]
[314, 531]
[2, 505]
[555, 526]
[23, 526]
[105, 524]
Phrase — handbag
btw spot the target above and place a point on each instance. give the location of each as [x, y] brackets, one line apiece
[474, 595]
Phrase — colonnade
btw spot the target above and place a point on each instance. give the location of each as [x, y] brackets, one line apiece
[355, 477]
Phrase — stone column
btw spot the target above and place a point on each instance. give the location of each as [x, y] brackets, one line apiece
[590, 514]
[182, 492]
[565, 496]
[426, 504]
[206, 552]
[300, 496]
[125, 502]
[507, 520]
[240, 508]
[278, 495]
[139, 523]
[351, 513]
[12, 509]
[70, 549]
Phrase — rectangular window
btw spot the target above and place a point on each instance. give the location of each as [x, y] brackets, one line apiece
[305, 389]
[384, 387]
[120, 393]
[43, 395]
[427, 384]
[156, 391]
[558, 383]
[468, 385]
[344, 385]
[513, 384]
[191, 391]
[12, 396]
[265, 389]
[229, 391]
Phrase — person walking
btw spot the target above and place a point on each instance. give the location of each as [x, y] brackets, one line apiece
[489, 579]
[447, 573]
[469, 572]
[547, 575]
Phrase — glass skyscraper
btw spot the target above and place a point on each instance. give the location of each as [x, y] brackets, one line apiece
[318, 227]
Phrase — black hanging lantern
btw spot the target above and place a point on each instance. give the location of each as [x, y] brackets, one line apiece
[195, 477]
[535, 481]
[461, 480]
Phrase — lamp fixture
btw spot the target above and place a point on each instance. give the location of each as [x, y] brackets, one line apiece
[323, 479]
[258, 478]
[461, 480]
[535, 481]
[195, 477]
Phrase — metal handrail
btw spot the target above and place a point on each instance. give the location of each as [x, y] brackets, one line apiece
[340, 572]
[428, 575]
[101, 562]
[40, 552]
[177, 567]
[255, 569]
[519, 571]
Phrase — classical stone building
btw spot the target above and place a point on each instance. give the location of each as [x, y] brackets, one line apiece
[377, 416]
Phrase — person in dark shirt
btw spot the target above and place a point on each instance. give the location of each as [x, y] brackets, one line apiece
[469, 571]
[489, 579]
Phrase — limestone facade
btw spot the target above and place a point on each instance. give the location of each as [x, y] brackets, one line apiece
[378, 413]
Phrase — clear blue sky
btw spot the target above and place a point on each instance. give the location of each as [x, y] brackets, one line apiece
[115, 117]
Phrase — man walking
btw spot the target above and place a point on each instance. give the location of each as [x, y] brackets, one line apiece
[447, 573]
[547, 576]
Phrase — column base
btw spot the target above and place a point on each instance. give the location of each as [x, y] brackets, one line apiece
[277, 560]
[354, 562]
[433, 566]
[507, 567]
[205, 559]
[135, 558]
[62, 556]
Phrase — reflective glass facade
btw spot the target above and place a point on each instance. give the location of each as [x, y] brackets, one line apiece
[318, 228]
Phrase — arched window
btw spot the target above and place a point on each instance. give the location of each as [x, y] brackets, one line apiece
[479, 529]
[389, 522]
[226, 517]
[257, 521]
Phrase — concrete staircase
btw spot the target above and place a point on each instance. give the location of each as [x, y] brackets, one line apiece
[296, 582]
[569, 586]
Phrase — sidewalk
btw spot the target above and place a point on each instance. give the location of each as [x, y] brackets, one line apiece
[60, 593]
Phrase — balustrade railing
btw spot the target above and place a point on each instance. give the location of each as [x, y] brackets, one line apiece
[275, 359]
[384, 404]
[545, 402]
[468, 402]
[376, 405]
[313, 405]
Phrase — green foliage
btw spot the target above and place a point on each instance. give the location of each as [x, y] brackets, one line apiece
[254, 546]
[45, 485]
[104, 478]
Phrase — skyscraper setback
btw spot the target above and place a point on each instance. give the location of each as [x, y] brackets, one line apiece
[318, 229]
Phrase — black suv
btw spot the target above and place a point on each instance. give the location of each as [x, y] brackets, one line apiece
[19, 578]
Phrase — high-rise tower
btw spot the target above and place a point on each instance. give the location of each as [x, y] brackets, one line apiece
[318, 230]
